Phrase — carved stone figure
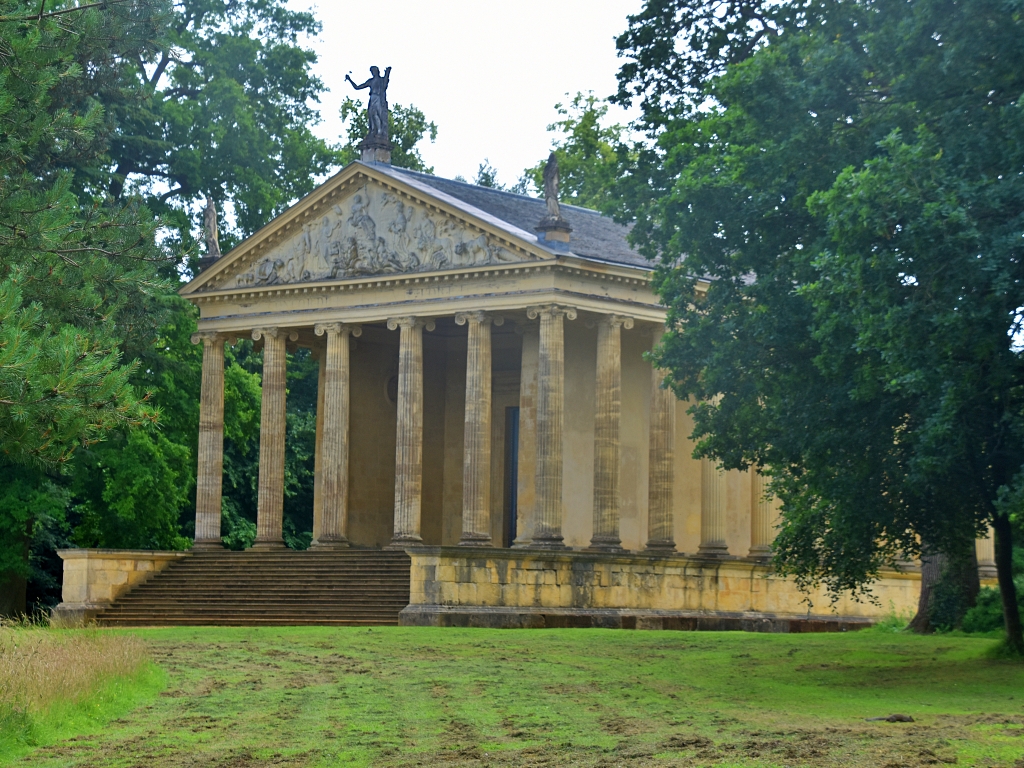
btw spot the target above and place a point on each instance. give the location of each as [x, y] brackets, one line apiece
[377, 112]
[210, 230]
[373, 233]
[551, 187]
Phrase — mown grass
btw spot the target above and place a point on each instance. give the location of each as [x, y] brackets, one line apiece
[412, 696]
[54, 684]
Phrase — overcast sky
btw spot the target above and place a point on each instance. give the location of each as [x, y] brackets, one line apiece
[488, 72]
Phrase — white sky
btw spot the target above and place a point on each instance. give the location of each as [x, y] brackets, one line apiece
[487, 72]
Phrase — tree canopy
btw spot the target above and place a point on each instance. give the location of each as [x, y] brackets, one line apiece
[836, 214]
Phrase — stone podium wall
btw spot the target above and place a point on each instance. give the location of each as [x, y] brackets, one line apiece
[513, 587]
[94, 578]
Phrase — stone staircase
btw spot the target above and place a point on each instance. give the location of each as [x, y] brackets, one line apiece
[340, 588]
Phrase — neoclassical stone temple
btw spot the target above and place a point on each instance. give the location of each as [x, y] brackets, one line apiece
[485, 405]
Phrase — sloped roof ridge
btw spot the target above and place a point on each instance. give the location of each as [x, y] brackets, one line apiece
[496, 190]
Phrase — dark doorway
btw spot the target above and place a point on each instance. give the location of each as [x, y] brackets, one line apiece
[511, 474]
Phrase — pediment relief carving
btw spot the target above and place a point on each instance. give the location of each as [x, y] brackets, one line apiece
[372, 232]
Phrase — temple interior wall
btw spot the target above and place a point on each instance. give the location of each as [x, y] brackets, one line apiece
[633, 434]
[372, 430]
[578, 433]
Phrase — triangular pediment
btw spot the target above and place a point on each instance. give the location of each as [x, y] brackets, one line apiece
[359, 224]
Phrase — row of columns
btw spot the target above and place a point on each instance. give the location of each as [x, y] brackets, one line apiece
[332, 492]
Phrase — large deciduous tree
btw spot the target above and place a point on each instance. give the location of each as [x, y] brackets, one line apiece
[229, 113]
[838, 218]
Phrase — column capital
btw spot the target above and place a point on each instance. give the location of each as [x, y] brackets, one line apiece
[612, 321]
[274, 332]
[213, 337]
[550, 310]
[461, 318]
[321, 329]
[410, 322]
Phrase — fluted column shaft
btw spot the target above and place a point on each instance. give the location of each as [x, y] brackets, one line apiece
[661, 466]
[985, 549]
[547, 532]
[210, 469]
[334, 480]
[607, 416]
[712, 510]
[273, 426]
[762, 516]
[409, 439]
[476, 461]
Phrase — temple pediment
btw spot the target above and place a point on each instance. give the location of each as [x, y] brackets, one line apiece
[366, 229]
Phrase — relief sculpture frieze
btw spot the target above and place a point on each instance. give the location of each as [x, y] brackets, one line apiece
[373, 232]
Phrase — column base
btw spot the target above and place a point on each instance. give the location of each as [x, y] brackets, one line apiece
[660, 546]
[712, 550]
[329, 544]
[547, 542]
[404, 542]
[268, 546]
[605, 544]
[207, 545]
[475, 540]
[760, 553]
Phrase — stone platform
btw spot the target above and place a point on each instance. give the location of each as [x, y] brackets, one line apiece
[458, 586]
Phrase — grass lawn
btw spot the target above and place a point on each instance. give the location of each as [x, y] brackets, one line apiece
[415, 696]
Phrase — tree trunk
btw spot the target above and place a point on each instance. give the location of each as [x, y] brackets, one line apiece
[1007, 590]
[932, 566]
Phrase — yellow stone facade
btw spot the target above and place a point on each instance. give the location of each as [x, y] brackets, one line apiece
[486, 404]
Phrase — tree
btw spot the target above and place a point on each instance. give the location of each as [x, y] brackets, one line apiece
[80, 281]
[407, 126]
[590, 154]
[228, 112]
[838, 230]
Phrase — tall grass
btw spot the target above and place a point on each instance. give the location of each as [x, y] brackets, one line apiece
[41, 669]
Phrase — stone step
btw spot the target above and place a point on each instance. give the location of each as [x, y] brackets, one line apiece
[348, 587]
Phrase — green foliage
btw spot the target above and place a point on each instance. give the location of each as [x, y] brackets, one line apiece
[77, 273]
[845, 203]
[131, 492]
[407, 126]
[590, 154]
[28, 501]
[228, 114]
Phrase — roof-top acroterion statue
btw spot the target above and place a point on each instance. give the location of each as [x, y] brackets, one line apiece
[553, 227]
[376, 146]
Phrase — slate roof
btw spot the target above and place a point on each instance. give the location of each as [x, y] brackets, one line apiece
[594, 236]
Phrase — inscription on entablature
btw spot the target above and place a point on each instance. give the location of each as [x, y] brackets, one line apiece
[373, 232]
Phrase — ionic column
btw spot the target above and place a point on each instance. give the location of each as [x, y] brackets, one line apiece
[985, 549]
[270, 494]
[712, 510]
[210, 469]
[661, 465]
[763, 508]
[409, 440]
[334, 469]
[476, 462]
[606, 432]
[547, 531]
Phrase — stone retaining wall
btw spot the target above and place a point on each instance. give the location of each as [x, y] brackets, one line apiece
[517, 587]
[94, 578]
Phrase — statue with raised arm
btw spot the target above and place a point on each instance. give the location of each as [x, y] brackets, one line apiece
[551, 187]
[377, 112]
